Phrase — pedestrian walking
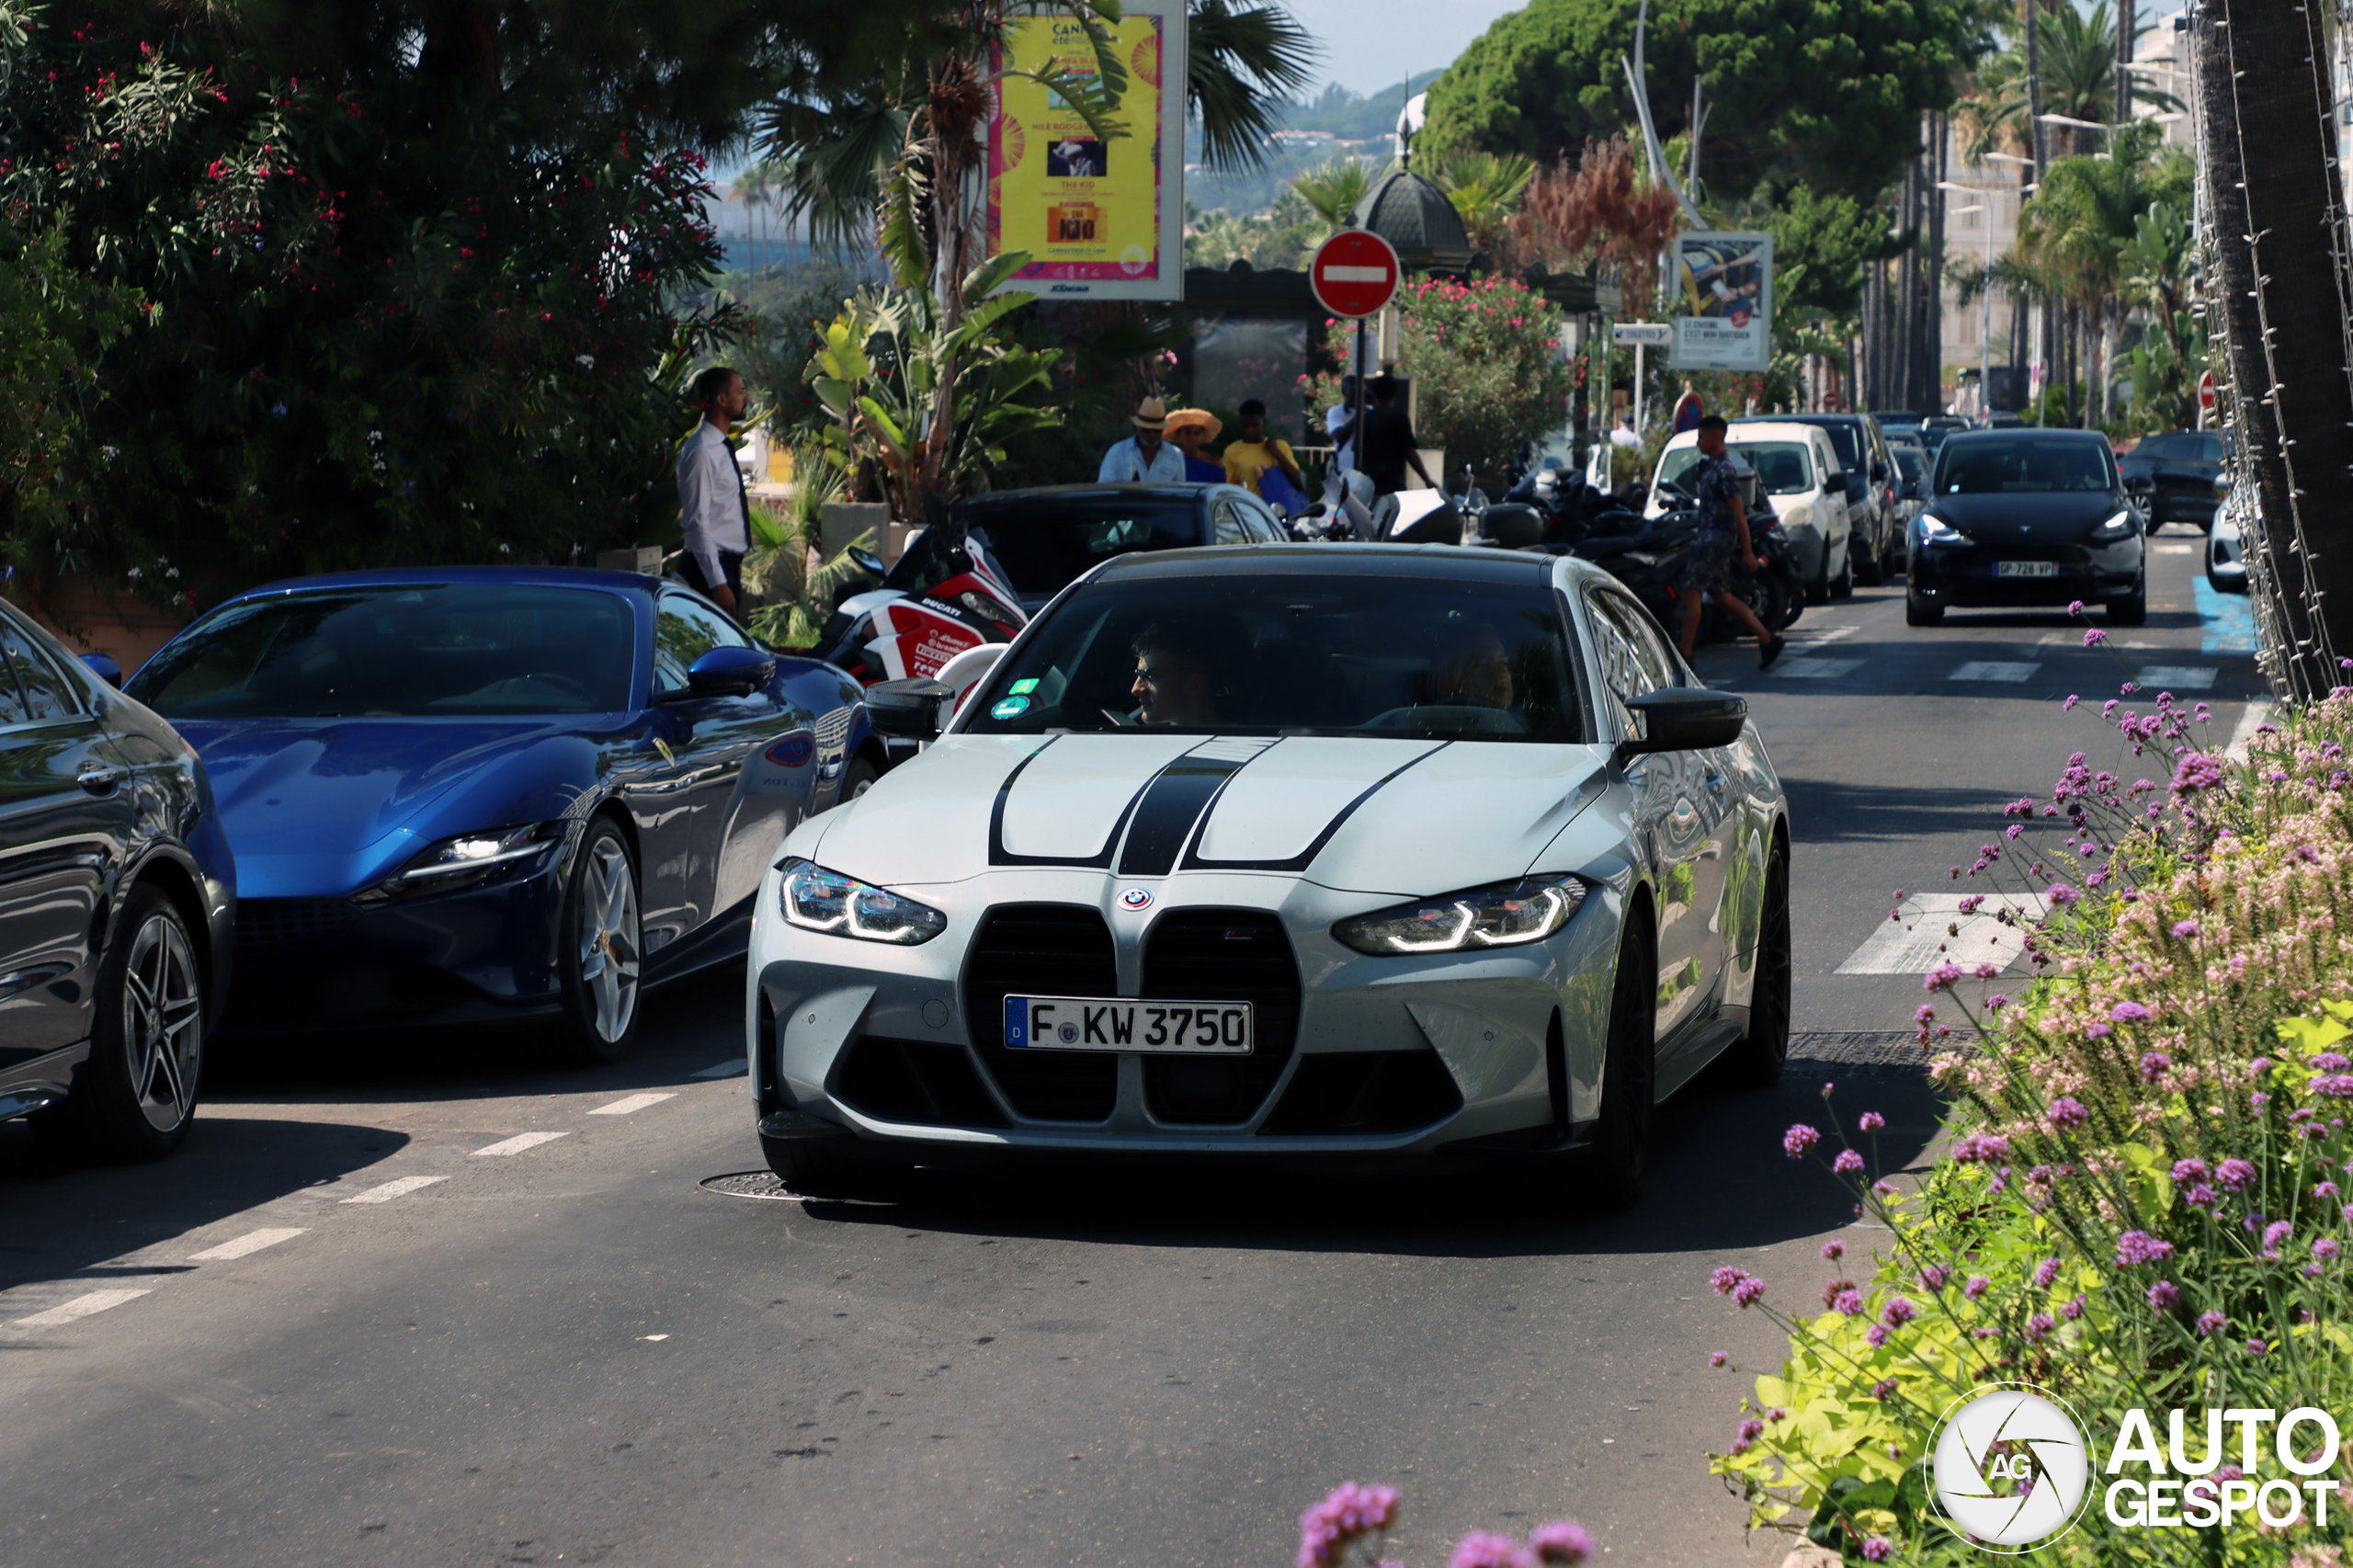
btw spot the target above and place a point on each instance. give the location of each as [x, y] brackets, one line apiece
[1143, 458]
[1388, 441]
[1723, 538]
[713, 510]
[1189, 430]
[1262, 464]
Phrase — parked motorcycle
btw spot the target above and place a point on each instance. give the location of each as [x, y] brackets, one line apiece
[898, 631]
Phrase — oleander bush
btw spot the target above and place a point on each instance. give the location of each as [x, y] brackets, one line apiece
[2138, 1205]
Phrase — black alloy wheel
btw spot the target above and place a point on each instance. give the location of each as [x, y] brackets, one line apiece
[859, 778]
[1918, 611]
[1610, 1176]
[135, 1096]
[1765, 1049]
[2129, 611]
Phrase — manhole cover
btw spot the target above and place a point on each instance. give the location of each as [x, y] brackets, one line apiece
[750, 1183]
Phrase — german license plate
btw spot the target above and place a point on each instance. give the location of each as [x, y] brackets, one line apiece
[1097, 1023]
[2026, 569]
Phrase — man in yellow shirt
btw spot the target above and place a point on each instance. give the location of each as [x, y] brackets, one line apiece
[1250, 454]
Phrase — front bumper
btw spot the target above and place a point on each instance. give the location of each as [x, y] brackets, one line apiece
[1964, 573]
[1386, 1055]
[482, 954]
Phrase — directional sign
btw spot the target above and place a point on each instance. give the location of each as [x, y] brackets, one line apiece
[1642, 334]
[1355, 273]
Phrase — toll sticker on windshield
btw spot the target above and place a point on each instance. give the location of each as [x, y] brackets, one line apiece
[1011, 707]
[1024, 687]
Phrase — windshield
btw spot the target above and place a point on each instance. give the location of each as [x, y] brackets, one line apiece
[458, 648]
[1782, 467]
[1847, 440]
[1294, 654]
[2025, 464]
[1044, 546]
[1910, 461]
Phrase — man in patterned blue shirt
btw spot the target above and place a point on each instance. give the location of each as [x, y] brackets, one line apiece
[1722, 536]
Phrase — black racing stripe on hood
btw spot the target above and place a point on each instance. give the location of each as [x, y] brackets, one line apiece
[1000, 855]
[1306, 857]
[1178, 796]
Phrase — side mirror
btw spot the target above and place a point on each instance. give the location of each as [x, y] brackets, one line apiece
[869, 563]
[915, 710]
[1683, 718]
[106, 669]
[1879, 470]
[726, 672]
[1836, 479]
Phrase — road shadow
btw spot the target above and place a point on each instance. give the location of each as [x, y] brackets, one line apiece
[1718, 1181]
[688, 1025]
[65, 1221]
[1823, 810]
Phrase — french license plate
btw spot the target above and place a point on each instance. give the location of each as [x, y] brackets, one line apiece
[2026, 569]
[1097, 1023]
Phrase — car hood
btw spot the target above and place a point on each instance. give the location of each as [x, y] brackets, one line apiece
[1410, 817]
[2056, 515]
[321, 808]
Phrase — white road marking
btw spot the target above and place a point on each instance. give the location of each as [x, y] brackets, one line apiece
[79, 1307]
[399, 1187]
[245, 1245]
[2175, 549]
[2075, 640]
[2160, 677]
[2258, 714]
[735, 1067]
[1822, 633]
[1909, 946]
[656, 1338]
[1798, 668]
[623, 1107]
[521, 1142]
[1994, 669]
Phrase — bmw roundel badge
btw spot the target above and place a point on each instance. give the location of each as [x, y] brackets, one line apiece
[1136, 898]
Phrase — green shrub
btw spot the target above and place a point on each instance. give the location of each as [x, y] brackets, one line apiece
[2141, 1205]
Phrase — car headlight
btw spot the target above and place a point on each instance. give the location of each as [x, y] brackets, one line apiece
[817, 900]
[2118, 527]
[1936, 531]
[1504, 915]
[467, 861]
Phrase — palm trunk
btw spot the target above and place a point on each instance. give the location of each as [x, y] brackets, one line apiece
[1932, 330]
[2124, 21]
[2031, 11]
[2278, 303]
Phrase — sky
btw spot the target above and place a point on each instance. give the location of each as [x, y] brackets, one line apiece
[1368, 45]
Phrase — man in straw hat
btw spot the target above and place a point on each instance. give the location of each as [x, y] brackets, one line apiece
[1143, 458]
[1190, 429]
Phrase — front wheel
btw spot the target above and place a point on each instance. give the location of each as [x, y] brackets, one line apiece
[135, 1096]
[1865, 569]
[1918, 611]
[1765, 1049]
[2132, 611]
[601, 949]
[1843, 585]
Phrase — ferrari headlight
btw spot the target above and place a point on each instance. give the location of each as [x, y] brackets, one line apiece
[1504, 915]
[2118, 527]
[1936, 531]
[817, 900]
[466, 861]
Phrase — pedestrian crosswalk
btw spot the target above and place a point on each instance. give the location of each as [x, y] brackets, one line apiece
[1931, 928]
[1795, 667]
[2177, 677]
[1995, 670]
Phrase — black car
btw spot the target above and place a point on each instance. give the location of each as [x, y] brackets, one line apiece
[118, 908]
[1048, 537]
[2027, 518]
[2174, 475]
[1878, 544]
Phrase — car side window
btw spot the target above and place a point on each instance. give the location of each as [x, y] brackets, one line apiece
[2157, 446]
[684, 631]
[1225, 522]
[43, 693]
[1630, 664]
[1259, 523]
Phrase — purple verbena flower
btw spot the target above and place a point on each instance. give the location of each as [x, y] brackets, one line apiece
[1719, 1358]
[1898, 1311]
[2187, 930]
[2324, 1249]
[2128, 1013]
[1348, 1512]
[2038, 1327]
[1481, 1549]
[1872, 1121]
[2067, 1113]
[2045, 1272]
[1748, 1291]
[1847, 1163]
[1798, 1140]
[2134, 1247]
[1878, 1548]
[2153, 1064]
[1942, 977]
[1563, 1541]
[2234, 1173]
[1982, 1148]
[2211, 1323]
[2163, 1295]
[1831, 1251]
[1978, 1285]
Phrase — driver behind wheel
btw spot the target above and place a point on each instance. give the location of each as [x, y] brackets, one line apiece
[1474, 671]
[1175, 679]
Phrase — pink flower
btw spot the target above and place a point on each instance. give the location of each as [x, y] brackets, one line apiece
[2067, 1112]
[1719, 1358]
[1562, 1541]
[1872, 1121]
[1349, 1512]
[1831, 1251]
[2136, 1247]
[1847, 1163]
[1978, 1285]
[2045, 1272]
[1749, 1291]
[1878, 1548]
[2234, 1173]
[1982, 1148]
[2163, 1295]
[1480, 1548]
[2211, 1323]
[2128, 1013]
[1798, 1140]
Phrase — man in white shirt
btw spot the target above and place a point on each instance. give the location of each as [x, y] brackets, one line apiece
[713, 508]
[1143, 458]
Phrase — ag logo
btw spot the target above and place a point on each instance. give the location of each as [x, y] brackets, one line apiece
[1136, 898]
[2009, 1468]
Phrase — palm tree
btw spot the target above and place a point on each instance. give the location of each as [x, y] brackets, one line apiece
[752, 187]
[1485, 188]
[2081, 225]
[2065, 64]
[1332, 189]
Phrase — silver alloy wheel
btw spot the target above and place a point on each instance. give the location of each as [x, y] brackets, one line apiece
[608, 938]
[162, 1022]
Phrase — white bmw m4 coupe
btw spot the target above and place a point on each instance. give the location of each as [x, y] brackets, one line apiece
[1284, 851]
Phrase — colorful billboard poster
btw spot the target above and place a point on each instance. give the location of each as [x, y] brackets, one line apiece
[1726, 281]
[1101, 218]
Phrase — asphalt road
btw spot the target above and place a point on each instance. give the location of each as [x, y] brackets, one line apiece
[423, 1338]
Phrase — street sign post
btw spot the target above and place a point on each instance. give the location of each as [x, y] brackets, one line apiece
[1641, 336]
[1355, 274]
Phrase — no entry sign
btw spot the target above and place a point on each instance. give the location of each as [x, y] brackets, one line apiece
[1355, 273]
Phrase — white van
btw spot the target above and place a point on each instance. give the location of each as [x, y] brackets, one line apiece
[1799, 477]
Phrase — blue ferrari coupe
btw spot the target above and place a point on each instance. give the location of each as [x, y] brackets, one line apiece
[484, 793]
